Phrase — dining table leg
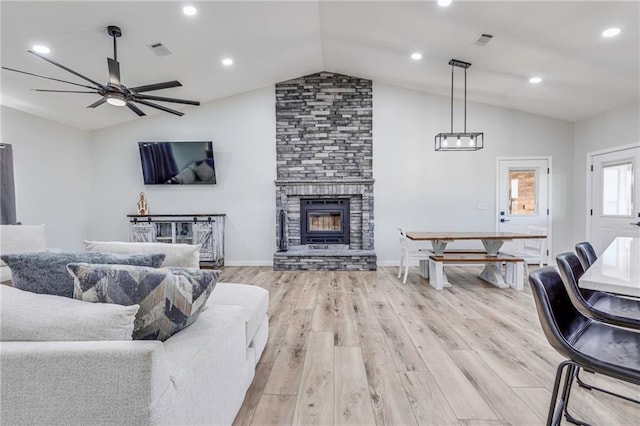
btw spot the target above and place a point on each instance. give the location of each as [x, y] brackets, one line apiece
[438, 247]
[492, 272]
[492, 247]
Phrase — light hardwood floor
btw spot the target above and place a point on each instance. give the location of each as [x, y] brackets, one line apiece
[361, 348]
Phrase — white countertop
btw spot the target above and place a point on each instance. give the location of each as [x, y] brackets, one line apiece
[617, 270]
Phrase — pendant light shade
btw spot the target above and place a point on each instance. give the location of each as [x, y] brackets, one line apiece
[459, 141]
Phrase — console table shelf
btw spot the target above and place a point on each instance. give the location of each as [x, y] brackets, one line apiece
[204, 229]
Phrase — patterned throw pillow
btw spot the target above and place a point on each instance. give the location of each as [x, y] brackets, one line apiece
[170, 299]
[46, 272]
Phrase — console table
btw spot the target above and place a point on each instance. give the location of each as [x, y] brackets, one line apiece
[204, 229]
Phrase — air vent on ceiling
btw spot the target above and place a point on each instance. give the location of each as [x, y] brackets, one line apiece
[159, 49]
[483, 39]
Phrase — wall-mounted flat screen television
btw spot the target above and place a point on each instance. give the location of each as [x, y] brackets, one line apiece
[177, 163]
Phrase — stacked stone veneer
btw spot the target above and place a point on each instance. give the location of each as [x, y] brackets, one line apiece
[324, 149]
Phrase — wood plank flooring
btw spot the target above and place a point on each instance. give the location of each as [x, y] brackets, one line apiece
[361, 348]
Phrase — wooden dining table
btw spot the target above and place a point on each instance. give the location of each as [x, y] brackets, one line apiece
[617, 269]
[491, 241]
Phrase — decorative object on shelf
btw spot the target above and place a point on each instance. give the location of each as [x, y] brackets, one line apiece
[114, 92]
[143, 207]
[204, 229]
[459, 141]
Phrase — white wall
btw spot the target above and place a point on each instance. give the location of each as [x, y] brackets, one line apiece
[91, 187]
[51, 166]
[242, 129]
[421, 189]
[619, 126]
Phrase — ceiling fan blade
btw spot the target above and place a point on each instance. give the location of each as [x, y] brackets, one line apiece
[135, 109]
[98, 85]
[114, 71]
[160, 107]
[48, 78]
[97, 103]
[156, 86]
[65, 91]
[162, 99]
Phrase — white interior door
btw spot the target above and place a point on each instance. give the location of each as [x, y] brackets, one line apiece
[615, 196]
[523, 198]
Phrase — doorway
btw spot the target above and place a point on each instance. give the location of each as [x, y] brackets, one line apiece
[523, 199]
[613, 195]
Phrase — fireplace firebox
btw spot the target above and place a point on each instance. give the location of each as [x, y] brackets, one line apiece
[324, 221]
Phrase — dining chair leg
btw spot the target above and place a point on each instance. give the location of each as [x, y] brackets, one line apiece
[400, 267]
[406, 272]
[558, 409]
[588, 386]
[553, 417]
[571, 375]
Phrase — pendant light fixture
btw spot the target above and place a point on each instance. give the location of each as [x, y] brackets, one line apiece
[459, 141]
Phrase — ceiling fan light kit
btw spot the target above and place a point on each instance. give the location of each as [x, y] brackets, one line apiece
[114, 92]
[459, 141]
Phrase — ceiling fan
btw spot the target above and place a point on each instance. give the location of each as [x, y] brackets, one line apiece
[114, 92]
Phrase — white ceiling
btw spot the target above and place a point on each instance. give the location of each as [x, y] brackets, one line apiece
[271, 41]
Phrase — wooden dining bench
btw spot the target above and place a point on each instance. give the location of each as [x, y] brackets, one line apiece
[513, 276]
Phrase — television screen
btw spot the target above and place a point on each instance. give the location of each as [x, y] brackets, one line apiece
[177, 163]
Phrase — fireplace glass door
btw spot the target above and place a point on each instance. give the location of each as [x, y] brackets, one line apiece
[324, 221]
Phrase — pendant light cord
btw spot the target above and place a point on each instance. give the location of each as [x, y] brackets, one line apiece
[465, 100]
[452, 68]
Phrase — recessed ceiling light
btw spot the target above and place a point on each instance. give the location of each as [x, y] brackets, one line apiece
[444, 2]
[189, 10]
[535, 80]
[416, 56]
[611, 32]
[41, 49]
[227, 62]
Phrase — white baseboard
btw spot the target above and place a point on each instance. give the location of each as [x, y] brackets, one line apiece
[248, 262]
[270, 263]
[396, 263]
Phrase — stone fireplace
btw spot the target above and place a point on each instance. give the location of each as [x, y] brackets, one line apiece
[324, 186]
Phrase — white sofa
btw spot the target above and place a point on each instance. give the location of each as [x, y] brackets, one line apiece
[198, 376]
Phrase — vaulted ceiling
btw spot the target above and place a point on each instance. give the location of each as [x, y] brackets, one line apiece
[583, 73]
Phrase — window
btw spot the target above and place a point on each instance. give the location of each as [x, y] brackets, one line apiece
[617, 189]
[522, 192]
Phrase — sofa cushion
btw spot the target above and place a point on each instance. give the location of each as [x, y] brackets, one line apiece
[254, 301]
[170, 299]
[182, 255]
[21, 239]
[46, 272]
[26, 316]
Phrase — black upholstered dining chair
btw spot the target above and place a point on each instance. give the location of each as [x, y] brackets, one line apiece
[586, 254]
[602, 306]
[585, 342]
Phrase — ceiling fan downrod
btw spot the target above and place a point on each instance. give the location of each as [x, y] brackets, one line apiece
[114, 32]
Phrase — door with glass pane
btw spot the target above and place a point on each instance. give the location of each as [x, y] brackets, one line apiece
[523, 199]
[615, 196]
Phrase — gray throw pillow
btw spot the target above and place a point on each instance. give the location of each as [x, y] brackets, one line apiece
[46, 272]
[170, 299]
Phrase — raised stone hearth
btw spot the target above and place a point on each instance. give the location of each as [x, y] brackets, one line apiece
[324, 153]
